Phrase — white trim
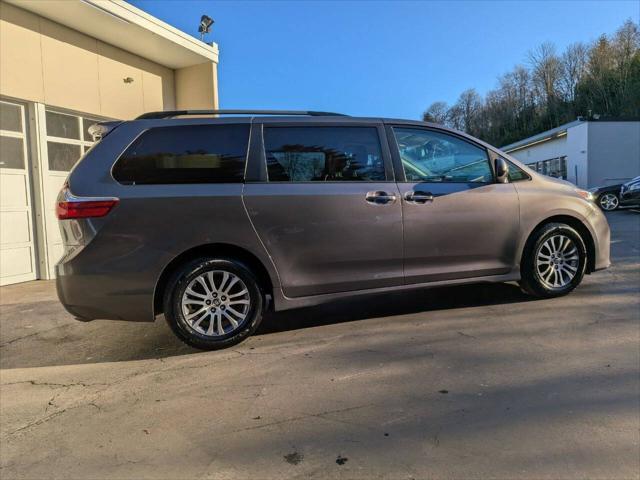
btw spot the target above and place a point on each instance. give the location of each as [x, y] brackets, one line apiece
[105, 10]
[11, 133]
[542, 140]
[211, 49]
[70, 141]
[118, 23]
[43, 159]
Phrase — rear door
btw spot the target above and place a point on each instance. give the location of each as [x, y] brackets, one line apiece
[458, 223]
[325, 205]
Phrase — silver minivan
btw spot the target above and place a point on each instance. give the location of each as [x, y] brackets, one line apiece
[212, 217]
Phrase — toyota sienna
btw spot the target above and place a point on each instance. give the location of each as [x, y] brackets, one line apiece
[213, 217]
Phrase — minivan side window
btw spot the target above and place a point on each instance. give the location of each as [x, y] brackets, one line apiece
[323, 154]
[185, 154]
[516, 174]
[431, 156]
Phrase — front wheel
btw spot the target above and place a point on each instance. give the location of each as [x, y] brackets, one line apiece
[213, 303]
[554, 262]
[608, 201]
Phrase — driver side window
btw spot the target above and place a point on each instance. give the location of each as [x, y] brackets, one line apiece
[431, 156]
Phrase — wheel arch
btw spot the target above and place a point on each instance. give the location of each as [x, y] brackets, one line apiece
[224, 250]
[576, 224]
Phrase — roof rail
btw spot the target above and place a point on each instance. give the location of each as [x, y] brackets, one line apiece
[177, 113]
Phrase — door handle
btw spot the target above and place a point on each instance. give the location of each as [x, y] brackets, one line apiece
[380, 198]
[418, 197]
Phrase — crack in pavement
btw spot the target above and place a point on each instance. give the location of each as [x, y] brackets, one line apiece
[462, 334]
[46, 418]
[154, 371]
[302, 417]
[9, 342]
[57, 385]
[40, 421]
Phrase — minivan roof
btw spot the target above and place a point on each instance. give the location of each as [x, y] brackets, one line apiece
[278, 116]
[182, 113]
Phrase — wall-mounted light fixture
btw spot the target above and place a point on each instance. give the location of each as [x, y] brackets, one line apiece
[205, 26]
[127, 80]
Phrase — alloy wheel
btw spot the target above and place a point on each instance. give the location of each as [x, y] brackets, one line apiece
[609, 201]
[215, 303]
[557, 261]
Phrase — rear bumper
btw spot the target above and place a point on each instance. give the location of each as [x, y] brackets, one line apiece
[84, 306]
[82, 313]
[93, 286]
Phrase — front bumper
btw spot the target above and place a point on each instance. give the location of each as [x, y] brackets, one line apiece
[601, 235]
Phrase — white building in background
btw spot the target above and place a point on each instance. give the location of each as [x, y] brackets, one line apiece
[65, 64]
[587, 153]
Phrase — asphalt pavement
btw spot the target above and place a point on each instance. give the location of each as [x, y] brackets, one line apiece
[463, 382]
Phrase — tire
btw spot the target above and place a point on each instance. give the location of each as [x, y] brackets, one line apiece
[189, 291]
[541, 269]
[608, 201]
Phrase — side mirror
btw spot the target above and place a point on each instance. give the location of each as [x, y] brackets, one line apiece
[502, 170]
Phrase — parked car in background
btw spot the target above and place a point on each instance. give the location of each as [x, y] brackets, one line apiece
[607, 198]
[630, 193]
[213, 219]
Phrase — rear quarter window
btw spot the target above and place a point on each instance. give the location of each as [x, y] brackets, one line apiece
[185, 154]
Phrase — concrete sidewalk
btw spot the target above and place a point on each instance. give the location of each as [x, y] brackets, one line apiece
[466, 382]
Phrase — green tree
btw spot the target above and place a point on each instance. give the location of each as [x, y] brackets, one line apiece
[597, 80]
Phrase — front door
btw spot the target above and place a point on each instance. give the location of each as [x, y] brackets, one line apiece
[329, 212]
[458, 223]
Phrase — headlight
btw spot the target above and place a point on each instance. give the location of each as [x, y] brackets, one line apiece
[586, 194]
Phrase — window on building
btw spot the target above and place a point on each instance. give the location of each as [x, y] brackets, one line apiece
[12, 137]
[430, 156]
[185, 154]
[323, 154]
[10, 117]
[67, 139]
[553, 167]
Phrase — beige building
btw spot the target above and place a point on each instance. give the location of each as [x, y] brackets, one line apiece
[63, 65]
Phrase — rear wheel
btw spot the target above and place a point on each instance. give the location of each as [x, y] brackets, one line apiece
[554, 262]
[213, 303]
[608, 201]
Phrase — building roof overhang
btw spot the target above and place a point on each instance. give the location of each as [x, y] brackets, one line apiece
[561, 131]
[127, 27]
[552, 134]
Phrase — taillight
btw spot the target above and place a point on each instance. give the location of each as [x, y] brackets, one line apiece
[70, 206]
[85, 209]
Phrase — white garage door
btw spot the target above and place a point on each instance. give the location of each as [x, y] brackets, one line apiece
[65, 140]
[17, 249]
